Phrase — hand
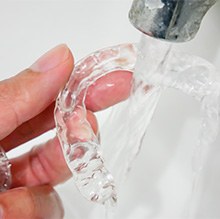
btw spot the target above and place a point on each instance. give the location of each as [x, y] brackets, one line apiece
[27, 104]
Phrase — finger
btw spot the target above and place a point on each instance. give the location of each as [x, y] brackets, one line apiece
[44, 164]
[109, 90]
[30, 129]
[106, 91]
[33, 202]
[27, 94]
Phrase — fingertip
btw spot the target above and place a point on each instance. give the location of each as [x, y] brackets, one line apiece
[52, 58]
[109, 90]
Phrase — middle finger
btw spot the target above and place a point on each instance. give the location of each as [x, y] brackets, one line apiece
[45, 164]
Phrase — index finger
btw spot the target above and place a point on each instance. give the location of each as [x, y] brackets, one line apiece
[109, 90]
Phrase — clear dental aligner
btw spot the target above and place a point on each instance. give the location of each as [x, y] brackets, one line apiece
[83, 155]
[191, 75]
[5, 171]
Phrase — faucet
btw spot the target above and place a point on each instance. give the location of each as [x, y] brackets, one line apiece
[171, 20]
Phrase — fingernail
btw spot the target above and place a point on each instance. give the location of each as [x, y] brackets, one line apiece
[1, 213]
[51, 59]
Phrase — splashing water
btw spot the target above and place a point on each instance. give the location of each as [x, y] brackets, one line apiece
[193, 76]
[156, 67]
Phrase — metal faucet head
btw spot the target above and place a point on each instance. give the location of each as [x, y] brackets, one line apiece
[172, 20]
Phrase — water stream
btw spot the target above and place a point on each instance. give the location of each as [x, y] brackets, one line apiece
[100, 170]
[160, 67]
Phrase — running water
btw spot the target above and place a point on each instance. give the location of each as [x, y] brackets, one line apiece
[160, 67]
[135, 114]
[156, 67]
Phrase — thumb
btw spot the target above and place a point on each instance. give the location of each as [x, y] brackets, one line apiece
[27, 94]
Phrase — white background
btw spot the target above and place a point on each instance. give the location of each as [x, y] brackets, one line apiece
[30, 28]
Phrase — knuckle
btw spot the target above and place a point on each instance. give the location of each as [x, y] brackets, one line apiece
[28, 196]
[28, 201]
[18, 203]
[6, 100]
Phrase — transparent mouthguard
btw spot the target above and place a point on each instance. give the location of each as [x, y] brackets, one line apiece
[83, 154]
[5, 172]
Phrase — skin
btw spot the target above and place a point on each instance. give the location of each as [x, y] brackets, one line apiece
[27, 104]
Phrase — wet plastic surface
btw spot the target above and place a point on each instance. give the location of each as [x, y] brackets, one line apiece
[5, 172]
[82, 153]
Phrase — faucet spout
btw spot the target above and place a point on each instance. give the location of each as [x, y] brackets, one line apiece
[171, 20]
